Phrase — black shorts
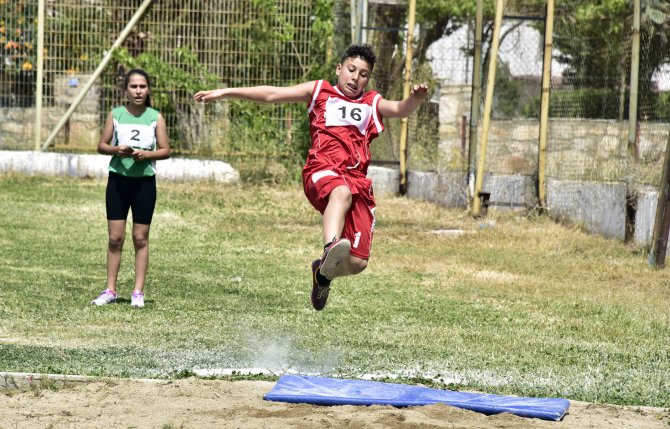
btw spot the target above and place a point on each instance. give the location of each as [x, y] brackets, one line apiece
[136, 193]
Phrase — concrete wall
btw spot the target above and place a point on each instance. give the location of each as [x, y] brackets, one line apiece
[601, 207]
[385, 181]
[645, 215]
[448, 189]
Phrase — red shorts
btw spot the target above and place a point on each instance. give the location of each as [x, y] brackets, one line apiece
[359, 223]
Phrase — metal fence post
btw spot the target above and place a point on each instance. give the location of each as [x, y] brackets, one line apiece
[406, 91]
[544, 108]
[634, 77]
[40, 74]
[488, 106]
[659, 239]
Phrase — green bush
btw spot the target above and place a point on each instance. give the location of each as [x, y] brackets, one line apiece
[596, 103]
[661, 103]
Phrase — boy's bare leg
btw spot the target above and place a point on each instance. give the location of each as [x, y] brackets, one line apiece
[350, 266]
[339, 203]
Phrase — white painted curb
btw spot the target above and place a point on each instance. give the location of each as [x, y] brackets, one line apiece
[82, 165]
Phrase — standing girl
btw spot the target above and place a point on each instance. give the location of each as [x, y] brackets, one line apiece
[136, 137]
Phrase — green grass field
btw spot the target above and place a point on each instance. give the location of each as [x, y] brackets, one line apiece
[513, 305]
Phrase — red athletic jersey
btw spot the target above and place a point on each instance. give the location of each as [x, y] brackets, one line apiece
[341, 130]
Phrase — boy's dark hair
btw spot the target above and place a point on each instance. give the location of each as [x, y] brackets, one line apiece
[363, 52]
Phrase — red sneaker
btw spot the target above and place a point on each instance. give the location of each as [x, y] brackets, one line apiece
[319, 292]
[333, 255]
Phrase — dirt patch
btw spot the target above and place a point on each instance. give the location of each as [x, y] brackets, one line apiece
[196, 403]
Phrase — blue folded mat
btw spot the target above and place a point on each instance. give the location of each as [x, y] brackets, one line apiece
[335, 391]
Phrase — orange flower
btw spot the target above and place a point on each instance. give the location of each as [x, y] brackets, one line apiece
[11, 45]
[27, 66]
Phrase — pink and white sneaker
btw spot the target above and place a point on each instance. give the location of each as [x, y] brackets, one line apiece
[137, 300]
[105, 297]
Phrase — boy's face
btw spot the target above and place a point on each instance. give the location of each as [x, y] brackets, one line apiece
[353, 75]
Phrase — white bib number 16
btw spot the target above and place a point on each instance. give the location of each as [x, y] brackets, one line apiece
[342, 113]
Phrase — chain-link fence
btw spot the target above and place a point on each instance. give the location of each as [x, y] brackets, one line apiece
[515, 114]
[590, 99]
[281, 42]
[383, 25]
[184, 47]
[589, 104]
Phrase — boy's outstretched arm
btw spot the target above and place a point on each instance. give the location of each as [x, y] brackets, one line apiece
[402, 109]
[262, 94]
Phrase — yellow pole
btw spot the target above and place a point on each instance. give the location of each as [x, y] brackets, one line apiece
[98, 71]
[40, 74]
[406, 91]
[544, 109]
[634, 76]
[476, 97]
[488, 104]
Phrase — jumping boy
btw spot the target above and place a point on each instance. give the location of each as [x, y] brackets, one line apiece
[344, 119]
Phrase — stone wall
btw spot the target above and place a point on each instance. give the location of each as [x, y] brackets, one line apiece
[82, 131]
[577, 149]
[17, 128]
[591, 178]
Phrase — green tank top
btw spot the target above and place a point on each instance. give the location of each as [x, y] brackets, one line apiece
[138, 132]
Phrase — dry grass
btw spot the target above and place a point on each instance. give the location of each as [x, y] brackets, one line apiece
[508, 304]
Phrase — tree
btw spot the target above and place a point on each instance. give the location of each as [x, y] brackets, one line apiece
[18, 45]
[593, 40]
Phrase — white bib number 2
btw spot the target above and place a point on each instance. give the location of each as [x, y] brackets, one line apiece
[137, 136]
[343, 113]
